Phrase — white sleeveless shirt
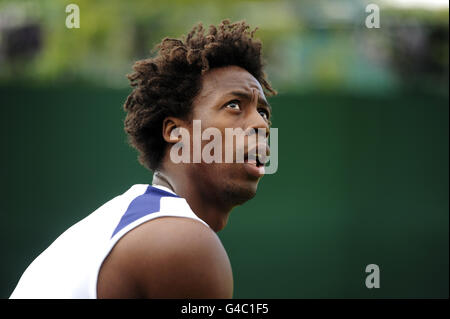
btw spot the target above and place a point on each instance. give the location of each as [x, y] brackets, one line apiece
[69, 267]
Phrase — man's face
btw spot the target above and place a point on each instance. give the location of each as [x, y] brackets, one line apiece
[231, 98]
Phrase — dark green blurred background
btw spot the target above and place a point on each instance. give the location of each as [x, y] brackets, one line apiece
[363, 139]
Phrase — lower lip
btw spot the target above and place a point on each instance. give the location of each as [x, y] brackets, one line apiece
[254, 170]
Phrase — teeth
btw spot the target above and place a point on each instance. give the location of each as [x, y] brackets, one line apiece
[258, 159]
[261, 159]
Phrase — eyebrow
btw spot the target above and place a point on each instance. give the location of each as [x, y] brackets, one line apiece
[248, 96]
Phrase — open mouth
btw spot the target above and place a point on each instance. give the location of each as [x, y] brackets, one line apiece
[255, 159]
[254, 164]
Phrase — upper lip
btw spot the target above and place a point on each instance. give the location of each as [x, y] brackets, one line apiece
[260, 151]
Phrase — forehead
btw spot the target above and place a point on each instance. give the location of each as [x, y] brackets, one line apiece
[220, 81]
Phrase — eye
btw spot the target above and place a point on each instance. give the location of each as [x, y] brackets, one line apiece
[264, 113]
[233, 105]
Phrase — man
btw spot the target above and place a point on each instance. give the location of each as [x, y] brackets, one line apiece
[159, 240]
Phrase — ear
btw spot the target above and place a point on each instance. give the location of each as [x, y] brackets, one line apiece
[170, 124]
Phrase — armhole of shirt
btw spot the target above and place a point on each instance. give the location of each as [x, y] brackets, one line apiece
[98, 264]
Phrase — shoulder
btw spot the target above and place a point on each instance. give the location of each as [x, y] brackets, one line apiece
[168, 257]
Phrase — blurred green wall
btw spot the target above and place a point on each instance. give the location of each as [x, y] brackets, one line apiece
[361, 180]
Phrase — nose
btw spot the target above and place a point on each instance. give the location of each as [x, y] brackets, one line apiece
[258, 122]
[255, 120]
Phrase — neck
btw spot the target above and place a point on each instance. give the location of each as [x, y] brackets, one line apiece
[206, 205]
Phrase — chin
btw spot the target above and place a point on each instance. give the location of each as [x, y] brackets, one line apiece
[237, 193]
[232, 183]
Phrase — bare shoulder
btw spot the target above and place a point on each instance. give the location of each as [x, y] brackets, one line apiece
[168, 257]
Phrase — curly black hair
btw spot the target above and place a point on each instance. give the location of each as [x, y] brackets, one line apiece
[167, 84]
